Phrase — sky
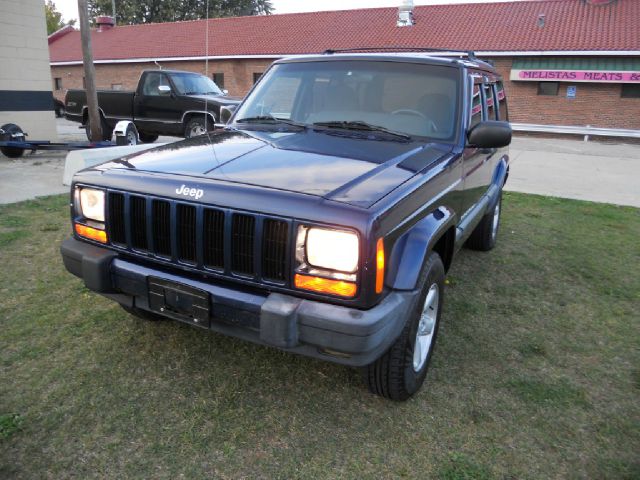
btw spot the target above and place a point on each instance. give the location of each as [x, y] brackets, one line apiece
[69, 8]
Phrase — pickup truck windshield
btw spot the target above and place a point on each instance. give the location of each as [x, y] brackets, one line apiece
[194, 84]
[408, 98]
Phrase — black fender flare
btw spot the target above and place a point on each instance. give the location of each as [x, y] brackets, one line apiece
[412, 247]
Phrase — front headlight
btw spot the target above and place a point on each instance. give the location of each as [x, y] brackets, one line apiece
[332, 249]
[92, 204]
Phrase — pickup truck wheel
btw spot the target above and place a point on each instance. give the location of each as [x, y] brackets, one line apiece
[147, 137]
[484, 237]
[107, 132]
[142, 314]
[401, 371]
[197, 126]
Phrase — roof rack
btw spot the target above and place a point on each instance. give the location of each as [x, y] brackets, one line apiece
[470, 54]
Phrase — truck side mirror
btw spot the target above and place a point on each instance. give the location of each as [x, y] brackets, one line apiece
[164, 89]
[225, 113]
[225, 91]
[489, 134]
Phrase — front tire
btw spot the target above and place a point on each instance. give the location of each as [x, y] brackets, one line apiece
[485, 235]
[197, 126]
[400, 372]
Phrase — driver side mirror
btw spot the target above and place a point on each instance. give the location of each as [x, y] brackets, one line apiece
[164, 90]
[489, 134]
[225, 91]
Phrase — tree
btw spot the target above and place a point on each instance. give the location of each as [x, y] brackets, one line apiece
[54, 18]
[129, 12]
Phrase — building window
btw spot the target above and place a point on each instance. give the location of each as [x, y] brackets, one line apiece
[256, 76]
[116, 86]
[218, 79]
[630, 90]
[57, 83]
[548, 88]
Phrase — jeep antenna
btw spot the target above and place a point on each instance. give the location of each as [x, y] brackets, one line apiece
[206, 72]
[206, 63]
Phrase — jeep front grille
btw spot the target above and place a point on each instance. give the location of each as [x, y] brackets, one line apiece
[242, 234]
[138, 219]
[206, 238]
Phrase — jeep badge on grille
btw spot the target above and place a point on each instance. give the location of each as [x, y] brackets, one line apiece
[190, 192]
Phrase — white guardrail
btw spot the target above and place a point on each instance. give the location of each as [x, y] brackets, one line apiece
[575, 130]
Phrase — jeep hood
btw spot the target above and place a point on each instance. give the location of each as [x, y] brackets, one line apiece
[357, 171]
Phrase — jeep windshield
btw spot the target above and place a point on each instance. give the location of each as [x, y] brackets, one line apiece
[379, 97]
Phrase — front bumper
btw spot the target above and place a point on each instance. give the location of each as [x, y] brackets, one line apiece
[335, 333]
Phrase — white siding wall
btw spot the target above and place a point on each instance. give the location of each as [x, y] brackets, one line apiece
[24, 68]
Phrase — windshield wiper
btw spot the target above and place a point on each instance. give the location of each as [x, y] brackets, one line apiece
[271, 119]
[361, 126]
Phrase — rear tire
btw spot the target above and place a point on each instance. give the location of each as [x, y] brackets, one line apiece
[11, 129]
[107, 132]
[484, 236]
[400, 372]
[147, 137]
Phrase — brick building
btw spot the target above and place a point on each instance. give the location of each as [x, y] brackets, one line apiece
[565, 62]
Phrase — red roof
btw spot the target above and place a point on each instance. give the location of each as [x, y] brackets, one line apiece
[511, 26]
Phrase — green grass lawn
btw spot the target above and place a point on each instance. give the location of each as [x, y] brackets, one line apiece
[536, 373]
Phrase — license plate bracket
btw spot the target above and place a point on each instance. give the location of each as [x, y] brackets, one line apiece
[179, 301]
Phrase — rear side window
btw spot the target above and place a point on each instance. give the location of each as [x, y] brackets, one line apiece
[491, 105]
[503, 113]
[476, 107]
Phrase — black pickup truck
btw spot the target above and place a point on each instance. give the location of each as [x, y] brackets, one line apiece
[322, 220]
[166, 102]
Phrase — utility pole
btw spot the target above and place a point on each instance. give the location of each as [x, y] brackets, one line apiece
[89, 73]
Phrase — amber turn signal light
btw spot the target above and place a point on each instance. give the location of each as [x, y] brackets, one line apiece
[325, 285]
[91, 233]
[379, 266]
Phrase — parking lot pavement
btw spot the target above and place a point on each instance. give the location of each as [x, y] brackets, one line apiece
[593, 171]
[31, 176]
[38, 174]
[71, 132]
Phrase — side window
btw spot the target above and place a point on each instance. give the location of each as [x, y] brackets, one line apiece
[152, 81]
[503, 113]
[491, 104]
[476, 106]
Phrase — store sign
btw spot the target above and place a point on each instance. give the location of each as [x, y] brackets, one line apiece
[600, 76]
